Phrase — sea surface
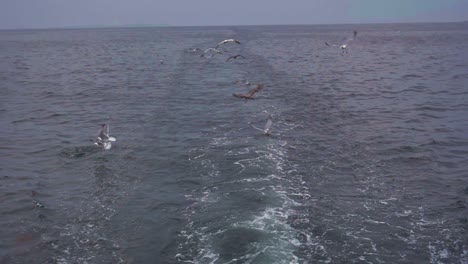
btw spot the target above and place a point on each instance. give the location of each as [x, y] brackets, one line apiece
[367, 161]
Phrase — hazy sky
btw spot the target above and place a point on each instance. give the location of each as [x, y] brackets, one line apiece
[64, 13]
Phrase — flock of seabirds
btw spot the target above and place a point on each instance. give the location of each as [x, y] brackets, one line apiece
[104, 140]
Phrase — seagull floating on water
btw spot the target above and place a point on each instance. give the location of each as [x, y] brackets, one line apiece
[227, 41]
[345, 43]
[266, 129]
[38, 204]
[235, 57]
[250, 94]
[103, 139]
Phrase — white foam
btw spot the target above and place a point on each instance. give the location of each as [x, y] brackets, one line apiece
[280, 240]
[438, 252]
[375, 222]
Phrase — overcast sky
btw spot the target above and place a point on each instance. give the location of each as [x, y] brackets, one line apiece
[65, 13]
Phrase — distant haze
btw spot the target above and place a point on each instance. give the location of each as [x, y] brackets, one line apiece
[73, 13]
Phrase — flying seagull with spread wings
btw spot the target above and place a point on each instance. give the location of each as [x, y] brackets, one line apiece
[235, 57]
[227, 41]
[103, 139]
[211, 52]
[266, 129]
[250, 94]
[344, 43]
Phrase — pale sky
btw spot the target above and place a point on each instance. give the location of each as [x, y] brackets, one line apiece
[69, 13]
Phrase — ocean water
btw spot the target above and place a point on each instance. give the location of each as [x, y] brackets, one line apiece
[367, 161]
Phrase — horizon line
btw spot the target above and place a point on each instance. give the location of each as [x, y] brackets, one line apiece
[246, 25]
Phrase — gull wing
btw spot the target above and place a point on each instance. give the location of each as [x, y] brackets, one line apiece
[268, 123]
[348, 40]
[330, 45]
[255, 90]
[100, 133]
[103, 132]
[226, 41]
[221, 43]
[212, 52]
[254, 127]
[106, 130]
[234, 57]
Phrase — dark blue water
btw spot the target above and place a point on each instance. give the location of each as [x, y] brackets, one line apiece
[367, 161]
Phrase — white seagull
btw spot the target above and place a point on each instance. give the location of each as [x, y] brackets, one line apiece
[211, 51]
[344, 43]
[265, 130]
[243, 82]
[103, 139]
[227, 41]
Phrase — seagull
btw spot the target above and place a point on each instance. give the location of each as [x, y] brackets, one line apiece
[250, 94]
[345, 43]
[213, 51]
[268, 124]
[243, 82]
[227, 41]
[38, 204]
[235, 57]
[103, 139]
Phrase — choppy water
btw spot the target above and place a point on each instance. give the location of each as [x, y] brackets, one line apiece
[367, 162]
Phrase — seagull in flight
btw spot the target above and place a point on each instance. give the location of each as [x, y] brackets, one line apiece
[227, 41]
[266, 129]
[103, 139]
[211, 51]
[250, 94]
[235, 57]
[344, 43]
